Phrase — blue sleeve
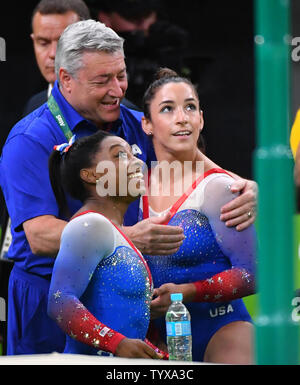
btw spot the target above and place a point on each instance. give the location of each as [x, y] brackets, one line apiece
[85, 241]
[25, 179]
[238, 246]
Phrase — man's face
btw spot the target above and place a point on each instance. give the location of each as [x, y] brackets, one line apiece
[46, 31]
[98, 87]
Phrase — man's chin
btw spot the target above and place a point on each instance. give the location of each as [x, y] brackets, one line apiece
[50, 77]
[109, 116]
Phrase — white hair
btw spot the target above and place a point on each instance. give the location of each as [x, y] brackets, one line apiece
[82, 36]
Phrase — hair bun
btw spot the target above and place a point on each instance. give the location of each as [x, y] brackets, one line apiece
[165, 72]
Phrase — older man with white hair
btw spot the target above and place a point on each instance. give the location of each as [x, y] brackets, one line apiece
[87, 96]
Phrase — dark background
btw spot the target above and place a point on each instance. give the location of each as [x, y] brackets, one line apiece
[221, 38]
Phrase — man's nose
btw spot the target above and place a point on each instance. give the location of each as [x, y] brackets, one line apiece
[52, 50]
[117, 88]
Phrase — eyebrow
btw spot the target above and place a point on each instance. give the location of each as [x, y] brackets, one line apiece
[172, 101]
[115, 145]
[107, 75]
[39, 37]
[118, 145]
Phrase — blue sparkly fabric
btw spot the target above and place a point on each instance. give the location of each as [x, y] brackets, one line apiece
[209, 248]
[97, 267]
[198, 258]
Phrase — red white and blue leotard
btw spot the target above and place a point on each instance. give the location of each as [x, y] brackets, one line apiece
[219, 260]
[101, 286]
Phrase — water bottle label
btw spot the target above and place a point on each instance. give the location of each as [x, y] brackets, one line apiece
[175, 329]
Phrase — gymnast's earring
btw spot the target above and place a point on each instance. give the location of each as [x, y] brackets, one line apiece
[149, 133]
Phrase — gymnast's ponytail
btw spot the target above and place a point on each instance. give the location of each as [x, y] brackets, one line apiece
[55, 164]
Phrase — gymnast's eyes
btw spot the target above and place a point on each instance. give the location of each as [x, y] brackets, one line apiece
[121, 155]
[166, 109]
[191, 107]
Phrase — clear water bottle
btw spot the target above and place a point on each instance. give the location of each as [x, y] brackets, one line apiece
[178, 324]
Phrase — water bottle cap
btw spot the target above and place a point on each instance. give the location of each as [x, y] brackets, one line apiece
[176, 297]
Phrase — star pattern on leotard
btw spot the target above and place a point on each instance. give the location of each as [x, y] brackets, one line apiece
[57, 294]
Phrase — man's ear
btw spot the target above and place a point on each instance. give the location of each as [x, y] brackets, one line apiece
[65, 80]
[147, 126]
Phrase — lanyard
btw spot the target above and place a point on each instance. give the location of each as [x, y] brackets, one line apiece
[59, 117]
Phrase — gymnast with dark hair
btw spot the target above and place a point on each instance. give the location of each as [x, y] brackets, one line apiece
[101, 286]
[215, 266]
[87, 96]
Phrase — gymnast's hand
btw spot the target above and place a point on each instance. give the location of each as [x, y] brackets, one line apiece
[134, 348]
[151, 236]
[241, 211]
[162, 297]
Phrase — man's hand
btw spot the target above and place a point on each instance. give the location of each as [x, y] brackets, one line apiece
[241, 211]
[152, 237]
[43, 234]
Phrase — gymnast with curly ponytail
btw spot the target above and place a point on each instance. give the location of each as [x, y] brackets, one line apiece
[101, 286]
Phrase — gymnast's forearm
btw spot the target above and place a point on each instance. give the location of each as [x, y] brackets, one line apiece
[225, 286]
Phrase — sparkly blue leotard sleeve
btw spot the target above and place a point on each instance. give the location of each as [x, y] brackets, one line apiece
[101, 286]
[219, 260]
[238, 279]
[210, 247]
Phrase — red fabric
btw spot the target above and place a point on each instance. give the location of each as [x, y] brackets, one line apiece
[84, 327]
[225, 286]
[184, 196]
